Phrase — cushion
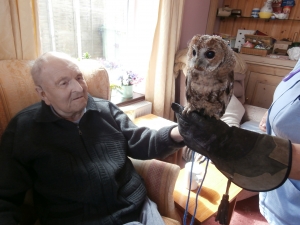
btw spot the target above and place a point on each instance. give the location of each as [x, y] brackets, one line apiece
[234, 112]
[239, 89]
[16, 89]
[252, 126]
[169, 221]
[96, 77]
[156, 175]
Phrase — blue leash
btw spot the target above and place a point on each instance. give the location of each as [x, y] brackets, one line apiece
[199, 189]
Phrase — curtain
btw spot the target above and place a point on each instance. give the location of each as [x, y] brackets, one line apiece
[19, 31]
[142, 22]
[160, 81]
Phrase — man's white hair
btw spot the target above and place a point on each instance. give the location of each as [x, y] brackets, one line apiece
[41, 62]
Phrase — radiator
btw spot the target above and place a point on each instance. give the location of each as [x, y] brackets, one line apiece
[137, 109]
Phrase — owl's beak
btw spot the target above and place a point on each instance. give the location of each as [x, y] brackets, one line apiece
[198, 65]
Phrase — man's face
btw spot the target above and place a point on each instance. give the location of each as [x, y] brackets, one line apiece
[64, 88]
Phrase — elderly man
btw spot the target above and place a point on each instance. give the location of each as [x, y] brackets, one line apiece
[72, 150]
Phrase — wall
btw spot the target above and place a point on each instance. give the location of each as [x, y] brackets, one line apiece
[194, 20]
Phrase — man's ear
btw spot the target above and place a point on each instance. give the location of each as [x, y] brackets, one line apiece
[42, 94]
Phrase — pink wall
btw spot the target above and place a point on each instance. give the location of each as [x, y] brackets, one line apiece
[194, 20]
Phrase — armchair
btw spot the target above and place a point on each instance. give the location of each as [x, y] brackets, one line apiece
[17, 92]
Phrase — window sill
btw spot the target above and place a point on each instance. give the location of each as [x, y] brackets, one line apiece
[120, 101]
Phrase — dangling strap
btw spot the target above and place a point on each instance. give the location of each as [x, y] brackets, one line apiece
[223, 210]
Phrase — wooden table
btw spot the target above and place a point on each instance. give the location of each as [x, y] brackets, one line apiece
[210, 196]
[152, 121]
[155, 122]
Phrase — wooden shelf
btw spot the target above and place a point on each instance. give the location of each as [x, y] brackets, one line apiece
[252, 18]
[276, 28]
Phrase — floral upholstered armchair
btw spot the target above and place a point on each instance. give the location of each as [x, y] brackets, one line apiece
[17, 92]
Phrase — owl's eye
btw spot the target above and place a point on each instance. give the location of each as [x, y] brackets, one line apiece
[194, 52]
[210, 54]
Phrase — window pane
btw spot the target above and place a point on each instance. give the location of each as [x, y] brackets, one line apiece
[101, 26]
[91, 19]
[64, 21]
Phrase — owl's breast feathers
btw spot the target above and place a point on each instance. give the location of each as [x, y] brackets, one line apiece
[209, 84]
[209, 93]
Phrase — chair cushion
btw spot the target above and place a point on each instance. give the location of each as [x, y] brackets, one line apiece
[16, 89]
[252, 126]
[169, 221]
[96, 78]
[234, 112]
[160, 178]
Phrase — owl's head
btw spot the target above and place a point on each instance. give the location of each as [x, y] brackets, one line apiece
[208, 53]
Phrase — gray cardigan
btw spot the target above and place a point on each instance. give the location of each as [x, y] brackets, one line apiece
[80, 174]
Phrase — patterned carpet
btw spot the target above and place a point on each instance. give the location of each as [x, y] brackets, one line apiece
[246, 213]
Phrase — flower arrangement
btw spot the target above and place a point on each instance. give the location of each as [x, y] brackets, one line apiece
[130, 78]
[119, 73]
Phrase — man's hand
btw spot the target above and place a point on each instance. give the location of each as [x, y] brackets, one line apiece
[175, 135]
[199, 132]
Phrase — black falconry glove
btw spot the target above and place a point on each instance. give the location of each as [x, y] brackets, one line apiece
[253, 161]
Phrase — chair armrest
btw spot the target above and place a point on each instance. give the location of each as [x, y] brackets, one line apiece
[253, 113]
[160, 178]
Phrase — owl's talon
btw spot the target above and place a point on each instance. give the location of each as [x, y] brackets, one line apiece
[184, 111]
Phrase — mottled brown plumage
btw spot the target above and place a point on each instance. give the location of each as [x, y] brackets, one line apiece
[209, 79]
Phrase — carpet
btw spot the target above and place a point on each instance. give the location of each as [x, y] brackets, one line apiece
[246, 213]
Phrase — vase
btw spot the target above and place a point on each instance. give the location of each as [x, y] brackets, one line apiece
[127, 91]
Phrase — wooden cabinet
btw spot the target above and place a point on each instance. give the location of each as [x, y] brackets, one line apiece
[264, 74]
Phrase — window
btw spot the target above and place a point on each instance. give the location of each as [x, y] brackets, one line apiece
[116, 30]
[79, 26]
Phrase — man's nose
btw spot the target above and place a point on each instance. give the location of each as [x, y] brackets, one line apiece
[76, 86]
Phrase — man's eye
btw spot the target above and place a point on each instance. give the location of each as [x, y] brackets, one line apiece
[63, 83]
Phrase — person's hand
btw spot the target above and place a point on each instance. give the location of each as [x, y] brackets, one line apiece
[175, 135]
[262, 124]
[199, 132]
[255, 162]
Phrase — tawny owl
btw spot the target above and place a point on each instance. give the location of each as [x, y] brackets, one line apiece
[209, 78]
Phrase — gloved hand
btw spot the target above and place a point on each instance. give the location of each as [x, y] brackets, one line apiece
[253, 161]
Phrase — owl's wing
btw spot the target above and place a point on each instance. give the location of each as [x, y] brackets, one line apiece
[188, 81]
[230, 85]
[188, 93]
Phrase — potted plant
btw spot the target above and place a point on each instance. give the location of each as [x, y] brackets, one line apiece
[121, 79]
[128, 79]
